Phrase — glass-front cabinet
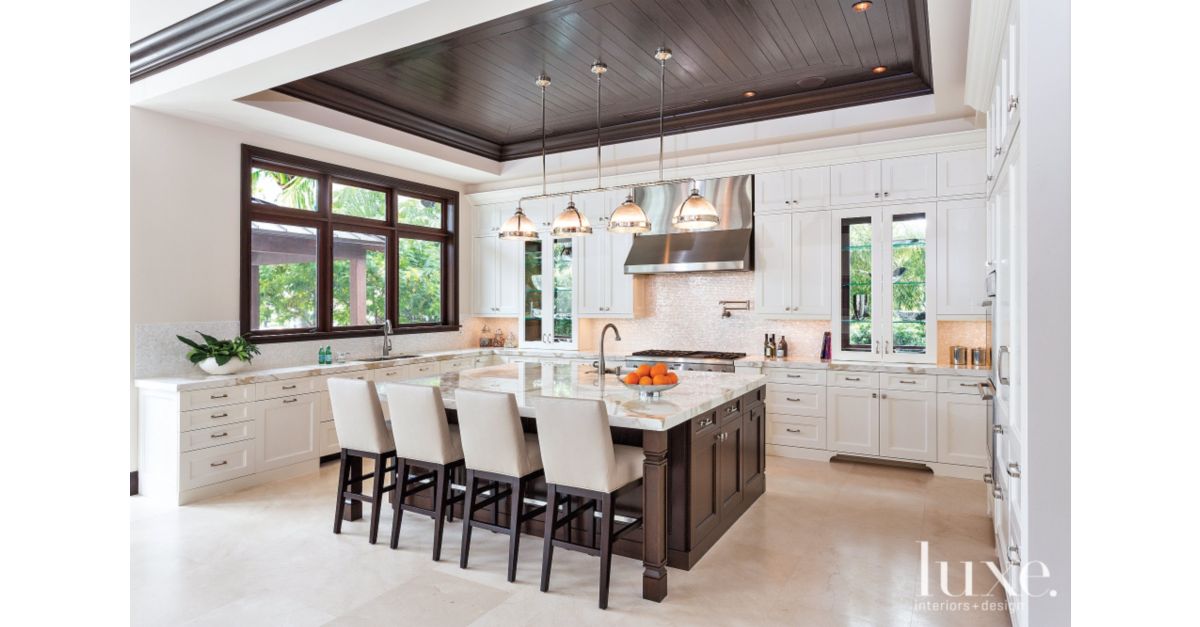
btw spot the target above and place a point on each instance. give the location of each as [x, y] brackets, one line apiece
[884, 265]
[548, 301]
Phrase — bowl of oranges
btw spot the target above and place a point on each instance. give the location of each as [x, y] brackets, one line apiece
[649, 380]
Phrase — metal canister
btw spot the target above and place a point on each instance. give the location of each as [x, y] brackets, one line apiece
[980, 356]
[958, 355]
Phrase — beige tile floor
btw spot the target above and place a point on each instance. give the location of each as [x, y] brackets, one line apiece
[828, 544]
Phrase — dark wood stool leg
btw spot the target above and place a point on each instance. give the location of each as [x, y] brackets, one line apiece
[514, 526]
[376, 498]
[439, 511]
[341, 493]
[450, 493]
[353, 509]
[468, 506]
[496, 504]
[548, 540]
[398, 504]
[606, 524]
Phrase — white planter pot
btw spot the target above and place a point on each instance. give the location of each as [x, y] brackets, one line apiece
[233, 365]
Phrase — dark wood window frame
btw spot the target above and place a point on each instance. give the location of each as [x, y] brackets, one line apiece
[326, 222]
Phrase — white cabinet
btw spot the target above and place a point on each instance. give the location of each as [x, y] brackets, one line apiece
[801, 431]
[854, 183]
[327, 439]
[962, 430]
[605, 290]
[286, 431]
[962, 247]
[961, 173]
[807, 188]
[909, 178]
[908, 425]
[853, 420]
[886, 180]
[543, 211]
[791, 271]
[885, 266]
[495, 272]
[489, 218]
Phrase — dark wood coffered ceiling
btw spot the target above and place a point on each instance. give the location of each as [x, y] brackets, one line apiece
[474, 89]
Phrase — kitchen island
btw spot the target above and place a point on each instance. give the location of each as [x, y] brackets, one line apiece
[704, 444]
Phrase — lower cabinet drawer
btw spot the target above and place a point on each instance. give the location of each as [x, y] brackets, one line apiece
[213, 417]
[799, 400]
[453, 365]
[216, 436]
[216, 397]
[854, 380]
[327, 439]
[960, 385]
[914, 382]
[216, 464]
[795, 376]
[807, 432]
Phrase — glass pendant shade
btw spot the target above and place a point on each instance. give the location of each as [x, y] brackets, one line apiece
[695, 214]
[519, 227]
[629, 218]
[571, 223]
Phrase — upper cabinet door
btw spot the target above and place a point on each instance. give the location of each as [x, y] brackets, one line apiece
[539, 211]
[622, 287]
[812, 292]
[508, 257]
[854, 183]
[773, 191]
[810, 188]
[908, 178]
[593, 265]
[489, 218]
[773, 249]
[484, 275]
[962, 252]
[962, 172]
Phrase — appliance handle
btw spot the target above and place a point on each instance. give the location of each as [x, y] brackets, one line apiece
[1001, 370]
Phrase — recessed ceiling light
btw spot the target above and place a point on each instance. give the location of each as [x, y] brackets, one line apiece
[809, 82]
[879, 69]
[750, 93]
[862, 5]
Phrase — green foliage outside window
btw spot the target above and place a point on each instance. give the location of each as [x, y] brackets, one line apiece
[418, 212]
[283, 189]
[287, 295]
[359, 202]
[419, 293]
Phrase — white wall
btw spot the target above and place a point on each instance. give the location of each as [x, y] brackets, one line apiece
[185, 246]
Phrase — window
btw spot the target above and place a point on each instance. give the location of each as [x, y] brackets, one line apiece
[334, 252]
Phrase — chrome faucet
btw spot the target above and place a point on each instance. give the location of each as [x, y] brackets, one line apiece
[387, 337]
[617, 334]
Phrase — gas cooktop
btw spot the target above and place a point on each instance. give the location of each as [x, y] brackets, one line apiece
[670, 354]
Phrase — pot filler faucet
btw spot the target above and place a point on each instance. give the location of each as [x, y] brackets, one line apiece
[387, 337]
[603, 333]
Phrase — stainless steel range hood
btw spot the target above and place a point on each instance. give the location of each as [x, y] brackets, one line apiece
[667, 249]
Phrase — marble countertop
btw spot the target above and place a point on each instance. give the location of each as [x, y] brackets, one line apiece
[857, 366]
[203, 382]
[696, 393]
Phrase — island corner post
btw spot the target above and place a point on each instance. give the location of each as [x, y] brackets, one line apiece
[654, 515]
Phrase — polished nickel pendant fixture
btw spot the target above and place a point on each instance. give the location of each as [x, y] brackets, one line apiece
[572, 223]
[696, 213]
[519, 227]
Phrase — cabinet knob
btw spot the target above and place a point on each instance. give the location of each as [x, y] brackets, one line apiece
[997, 151]
[1012, 103]
[886, 193]
[877, 194]
[884, 395]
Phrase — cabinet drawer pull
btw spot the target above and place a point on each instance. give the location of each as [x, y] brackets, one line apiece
[223, 414]
[795, 376]
[219, 435]
[731, 409]
[911, 382]
[794, 400]
[795, 431]
[965, 385]
[987, 478]
[222, 463]
[998, 429]
[707, 422]
[216, 396]
[1014, 470]
[289, 387]
[853, 379]
[290, 400]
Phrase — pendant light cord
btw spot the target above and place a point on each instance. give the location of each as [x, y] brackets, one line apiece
[543, 140]
[662, 90]
[599, 171]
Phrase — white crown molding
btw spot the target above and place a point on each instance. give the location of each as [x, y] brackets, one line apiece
[945, 142]
[989, 20]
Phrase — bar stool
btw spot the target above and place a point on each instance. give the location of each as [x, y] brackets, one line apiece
[362, 434]
[581, 460]
[499, 451]
[425, 439]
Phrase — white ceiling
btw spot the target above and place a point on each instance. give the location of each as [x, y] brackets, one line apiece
[230, 88]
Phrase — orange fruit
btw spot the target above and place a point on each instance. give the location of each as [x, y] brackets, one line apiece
[660, 379]
[633, 378]
[659, 368]
[644, 370]
[645, 381]
[672, 378]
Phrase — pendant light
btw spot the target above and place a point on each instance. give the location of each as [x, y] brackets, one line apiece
[696, 213]
[572, 223]
[519, 227]
[629, 217]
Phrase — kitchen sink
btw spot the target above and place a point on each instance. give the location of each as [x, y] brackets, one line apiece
[388, 358]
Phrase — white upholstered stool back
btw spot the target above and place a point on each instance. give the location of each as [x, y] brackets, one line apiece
[419, 424]
[492, 437]
[577, 446]
[358, 416]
